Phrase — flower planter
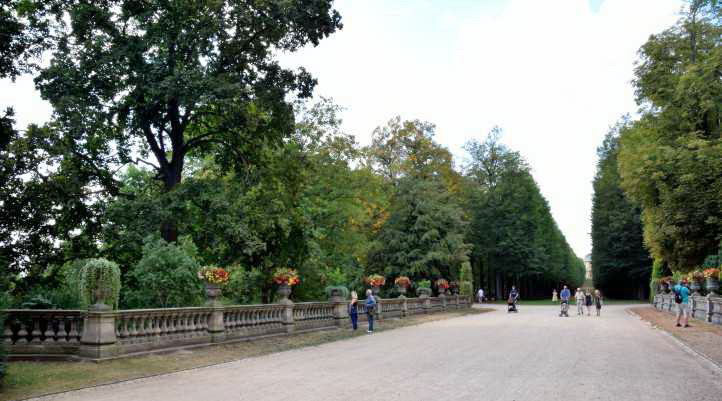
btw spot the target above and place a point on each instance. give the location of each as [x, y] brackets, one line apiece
[712, 286]
[213, 291]
[695, 286]
[666, 288]
[375, 290]
[284, 290]
[402, 291]
[423, 292]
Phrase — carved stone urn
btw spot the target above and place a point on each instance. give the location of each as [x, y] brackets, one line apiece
[213, 291]
[284, 290]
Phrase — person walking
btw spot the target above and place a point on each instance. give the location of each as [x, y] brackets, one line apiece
[681, 298]
[554, 296]
[353, 310]
[579, 297]
[598, 301]
[565, 295]
[480, 295]
[588, 302]
[370, 310]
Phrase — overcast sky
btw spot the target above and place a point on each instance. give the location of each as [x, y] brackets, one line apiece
[553, 74]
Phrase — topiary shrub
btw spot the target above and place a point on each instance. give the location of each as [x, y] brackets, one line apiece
[100, 283]
[166, 276]
[336, 290]
[465, 287]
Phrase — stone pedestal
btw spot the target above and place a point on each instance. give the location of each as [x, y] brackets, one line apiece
[404, 308]
[98, 340]
[288, 315]
[216, 327]
[426, 302]
[442, 297]
[340, 310]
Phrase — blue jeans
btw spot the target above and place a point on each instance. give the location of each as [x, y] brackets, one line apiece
[371, 321]
[354, 320]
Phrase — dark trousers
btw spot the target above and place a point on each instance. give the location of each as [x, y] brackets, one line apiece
[371, 321]
[354, 320]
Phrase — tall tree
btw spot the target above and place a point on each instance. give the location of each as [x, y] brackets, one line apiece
[622, 264]
[669, 160]
[129, 79]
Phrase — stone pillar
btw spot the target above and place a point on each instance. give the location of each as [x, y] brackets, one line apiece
[288, 315]
[340, 310]
[216, 327]
[404, 308]
[710, 309]
[379, 308]
[98, 340]
[442, 297]
[427, 302]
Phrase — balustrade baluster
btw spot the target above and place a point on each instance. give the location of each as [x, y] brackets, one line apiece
[124, 333]
[8, 332]
[49, 333]
[63, 324]
[36, 333]
[74, 334]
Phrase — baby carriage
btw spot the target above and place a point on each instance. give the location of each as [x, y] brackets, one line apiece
[511, 305]
[564, 308]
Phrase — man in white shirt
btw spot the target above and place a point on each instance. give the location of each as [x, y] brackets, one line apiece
[579, 296]
[480, 295]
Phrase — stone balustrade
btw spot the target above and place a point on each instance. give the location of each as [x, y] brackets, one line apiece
[97, 335]
[705, 308]
[51, 333]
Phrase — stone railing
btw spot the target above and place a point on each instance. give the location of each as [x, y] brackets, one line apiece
[48, 333]
[97, 335]
[705, 308]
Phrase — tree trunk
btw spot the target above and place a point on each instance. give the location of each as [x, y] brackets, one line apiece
[171, 179]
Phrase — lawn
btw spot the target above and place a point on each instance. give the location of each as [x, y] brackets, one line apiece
[32, 379]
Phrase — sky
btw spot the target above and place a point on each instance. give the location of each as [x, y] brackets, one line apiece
[553, 74]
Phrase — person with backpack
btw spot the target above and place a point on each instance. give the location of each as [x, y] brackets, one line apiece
[353, 310]
[588, 302]
[370, 310]
[681, 298]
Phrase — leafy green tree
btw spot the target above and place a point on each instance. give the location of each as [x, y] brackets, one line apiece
[165, 277]
[670, 158]
[621, 262]
[171, 78]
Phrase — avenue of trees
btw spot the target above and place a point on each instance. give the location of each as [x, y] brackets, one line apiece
[667, 161]
[178, 141]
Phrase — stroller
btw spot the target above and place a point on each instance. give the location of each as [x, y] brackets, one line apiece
[564, 308]
[511, 305]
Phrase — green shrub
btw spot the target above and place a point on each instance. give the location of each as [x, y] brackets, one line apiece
[423, 284]
[100, 282]
[343, 291]
[166, 276]
[244, 286]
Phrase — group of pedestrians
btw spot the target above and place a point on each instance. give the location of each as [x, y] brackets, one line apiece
[370, 304]
[583, 299]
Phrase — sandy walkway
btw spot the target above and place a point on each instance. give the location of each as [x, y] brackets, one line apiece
[533, 355]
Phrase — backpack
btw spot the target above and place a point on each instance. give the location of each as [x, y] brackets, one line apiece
[677, 297]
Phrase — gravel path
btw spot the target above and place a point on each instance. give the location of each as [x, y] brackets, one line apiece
[532, 355]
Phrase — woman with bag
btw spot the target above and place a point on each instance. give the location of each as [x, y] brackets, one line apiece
[353, 310]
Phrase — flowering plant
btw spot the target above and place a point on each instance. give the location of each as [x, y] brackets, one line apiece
[286, 275]
[375, 280]
[214, 275]
[711, 273]
[442, 283]
[667, 280]
[403, 281]
[696, 276]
